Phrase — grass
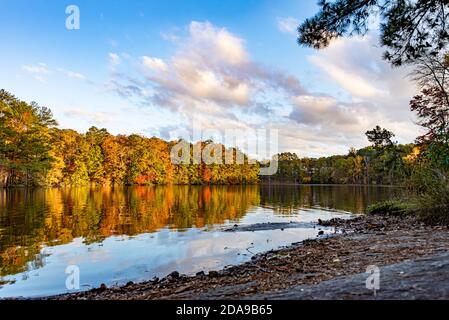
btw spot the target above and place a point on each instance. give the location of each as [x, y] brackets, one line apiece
[391, 208]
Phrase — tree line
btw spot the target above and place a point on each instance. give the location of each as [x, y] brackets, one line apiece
[34, 152]
[382, 163]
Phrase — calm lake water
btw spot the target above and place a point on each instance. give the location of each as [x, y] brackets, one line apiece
[116, 235]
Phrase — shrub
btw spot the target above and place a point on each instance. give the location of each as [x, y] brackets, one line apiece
[390, 207]
[432, 194]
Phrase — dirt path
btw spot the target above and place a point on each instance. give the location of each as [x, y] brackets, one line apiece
[279, 274]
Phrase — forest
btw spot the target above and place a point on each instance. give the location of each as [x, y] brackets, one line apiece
[34, 152]
[383, 163]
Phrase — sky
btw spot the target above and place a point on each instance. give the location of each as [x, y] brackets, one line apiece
[160, 68]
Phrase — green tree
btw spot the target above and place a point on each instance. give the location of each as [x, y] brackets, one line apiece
[409, 30]
[24, 140]
[379, 137]
[95, 157]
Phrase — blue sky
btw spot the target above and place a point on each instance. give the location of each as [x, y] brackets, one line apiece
[148, 67]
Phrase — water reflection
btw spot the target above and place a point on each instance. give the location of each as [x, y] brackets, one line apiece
[29, 219]
[70, 221]
[355, 199]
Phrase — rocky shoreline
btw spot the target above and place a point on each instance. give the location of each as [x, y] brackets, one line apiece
[360, 242]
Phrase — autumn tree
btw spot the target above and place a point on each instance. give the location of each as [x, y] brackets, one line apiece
[433, 115]
[115, 156]
[432, 105]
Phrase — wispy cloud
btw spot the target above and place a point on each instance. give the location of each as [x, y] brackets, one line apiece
[39, 71]
[94, 118]
[287, 25]
[114, 59]
[72, 74]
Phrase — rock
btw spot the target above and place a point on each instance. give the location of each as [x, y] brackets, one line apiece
[320, 233]
[182, 289]
[201, 273]
[214, 274]
[129, 283]
[174, 275]
[103, 287]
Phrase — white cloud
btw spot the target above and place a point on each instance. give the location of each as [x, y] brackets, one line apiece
[170, 36]
[41, 71]
[349, 80]
[211, 66]
[38, 71]
[217, 43]
[355, 64]
[288, 25]
[95, 118]
[114, 59]
[154, 64]
[322, 110]
[213, 77]
[72, 74]
[380, 94]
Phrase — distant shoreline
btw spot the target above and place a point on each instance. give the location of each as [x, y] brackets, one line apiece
[264, 184]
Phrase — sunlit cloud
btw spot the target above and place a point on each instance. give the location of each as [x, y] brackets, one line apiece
[213, 77]
[154, 64]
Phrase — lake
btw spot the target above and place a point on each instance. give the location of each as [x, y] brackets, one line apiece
[116, 235]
